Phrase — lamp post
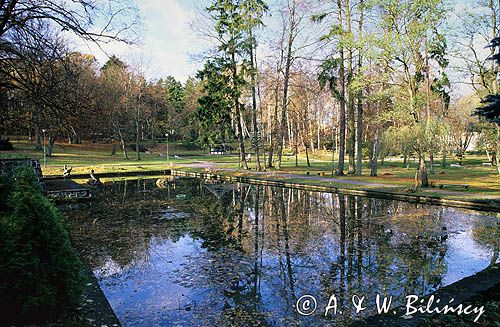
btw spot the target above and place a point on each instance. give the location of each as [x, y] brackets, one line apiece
[44, 149]
[170, 132]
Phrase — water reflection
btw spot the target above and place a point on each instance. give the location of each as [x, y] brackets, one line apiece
[193, 252]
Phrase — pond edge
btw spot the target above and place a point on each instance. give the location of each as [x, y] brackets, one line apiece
[482, 205]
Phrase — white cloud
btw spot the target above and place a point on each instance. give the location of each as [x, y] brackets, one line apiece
[167, 42]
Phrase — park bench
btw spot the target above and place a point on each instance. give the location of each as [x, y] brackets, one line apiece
[487, 164]
[464, 186]
[217, 150]
[455, 165]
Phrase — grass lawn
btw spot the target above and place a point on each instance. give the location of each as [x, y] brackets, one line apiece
[483, 180]
[84, 157]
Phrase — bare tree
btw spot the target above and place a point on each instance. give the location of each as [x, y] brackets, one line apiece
[93, 20]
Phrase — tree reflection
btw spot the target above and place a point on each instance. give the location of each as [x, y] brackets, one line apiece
[487, 234]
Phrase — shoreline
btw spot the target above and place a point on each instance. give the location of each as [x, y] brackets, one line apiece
[483, 205]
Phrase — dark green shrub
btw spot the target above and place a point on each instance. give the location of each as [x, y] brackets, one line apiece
[40, 273]
[6, 187]
[6, 145]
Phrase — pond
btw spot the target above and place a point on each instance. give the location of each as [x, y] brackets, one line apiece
[205, 253]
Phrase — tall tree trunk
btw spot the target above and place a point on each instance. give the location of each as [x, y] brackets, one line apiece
[253, 64]
[295, 140]
[318, 132]
[340, 166]
[273, 128]
[334, 148]
[122, 143]
[241, 142]
[137, 137]
[38, 129]
[431, 164]
[374, 159]
[498, 150]
[30, 127]
[38, 138]
[307, 156]
[50, 145]
[423, 171]
[359, 128]
[289, 130]
[296, 154]
[286, 78]
[443, 161]
[306, 130]
[243, 158]
[350, 95]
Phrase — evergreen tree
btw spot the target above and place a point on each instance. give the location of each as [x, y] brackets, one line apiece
[40, 273]
[490, 110]
[214, 108]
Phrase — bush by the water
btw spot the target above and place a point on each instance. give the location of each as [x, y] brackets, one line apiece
[5, 145]
[40, 273]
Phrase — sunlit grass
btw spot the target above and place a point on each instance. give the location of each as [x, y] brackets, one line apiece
[85, 157]
[482, 180]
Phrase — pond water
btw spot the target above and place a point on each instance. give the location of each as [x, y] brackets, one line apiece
[202, 253]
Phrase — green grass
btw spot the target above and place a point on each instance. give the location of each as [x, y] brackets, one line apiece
[85, 157]
[483, 180]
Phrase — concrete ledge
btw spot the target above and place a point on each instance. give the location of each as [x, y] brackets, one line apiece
[62, 190]
[111, 175]
[95, 309]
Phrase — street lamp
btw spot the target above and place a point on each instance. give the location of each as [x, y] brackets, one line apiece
[170, 132]
[44, 149]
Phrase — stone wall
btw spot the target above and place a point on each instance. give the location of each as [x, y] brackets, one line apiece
[8, 165]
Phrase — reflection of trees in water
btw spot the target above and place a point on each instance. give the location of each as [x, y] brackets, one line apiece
[487, 234]
[375, 259]
[123, 221]
[264, 247]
